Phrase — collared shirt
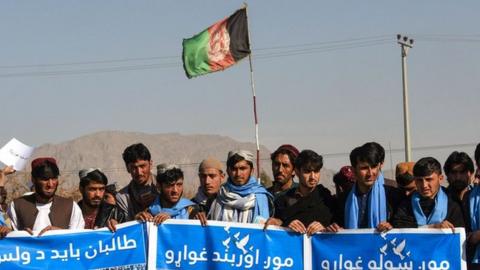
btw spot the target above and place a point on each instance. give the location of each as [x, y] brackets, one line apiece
[363, 209]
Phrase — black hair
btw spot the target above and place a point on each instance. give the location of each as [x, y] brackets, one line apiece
[310, 160]
[284, 151]
[235, 159]
[170, 175]
[45, 170]
[381, 150]
[477, 154]
[404, 179]
[458, 158]
[136, 152]
[372, 153]
[93, 176]
[426, 166]
[112, 189]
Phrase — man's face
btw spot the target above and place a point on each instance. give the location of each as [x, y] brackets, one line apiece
[210, 180]
[240, 173]
[308, 178]
[428, 186]
[459, 177]
[409, 188]
[93, 193]
[45, 188]
[282, 168]
[172, 191]
[366, 174]
[140, 170]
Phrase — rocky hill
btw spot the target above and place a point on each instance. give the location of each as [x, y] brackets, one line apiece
[104, 150]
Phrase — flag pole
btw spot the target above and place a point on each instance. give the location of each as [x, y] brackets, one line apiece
[252, 83]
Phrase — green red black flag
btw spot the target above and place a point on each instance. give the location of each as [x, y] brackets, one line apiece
[218, 47]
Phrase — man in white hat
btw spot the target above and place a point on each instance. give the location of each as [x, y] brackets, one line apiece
[241, 199]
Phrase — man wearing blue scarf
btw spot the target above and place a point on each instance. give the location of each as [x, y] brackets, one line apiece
[370, 203]
[241, 199]
[429, 206]
[169, 204]
[460, 171]
[477, 162]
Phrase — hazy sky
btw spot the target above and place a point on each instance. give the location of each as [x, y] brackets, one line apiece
[327, 73]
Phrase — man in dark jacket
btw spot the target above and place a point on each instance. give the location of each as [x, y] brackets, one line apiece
[283, 169]
[308, 207]
[141, 191]
[430, 205]
[96, 212]
[370, 203]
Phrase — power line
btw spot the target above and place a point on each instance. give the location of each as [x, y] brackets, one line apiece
[92, 62]
[260, 53]
[326, 42]
[126, 60]
[177, 64]
[88, 71]
[319, 50]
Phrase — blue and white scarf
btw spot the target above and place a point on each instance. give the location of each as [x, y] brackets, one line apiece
[377, 206]
[475, 217]
[439, 212]
[246, 204]
[2, 219]
[178, 211]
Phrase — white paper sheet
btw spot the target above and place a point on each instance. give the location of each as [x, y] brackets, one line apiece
[16, 154]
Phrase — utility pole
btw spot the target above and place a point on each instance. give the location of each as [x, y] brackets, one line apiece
[405, 45]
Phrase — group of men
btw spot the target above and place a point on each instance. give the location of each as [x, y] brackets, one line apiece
[364, 197]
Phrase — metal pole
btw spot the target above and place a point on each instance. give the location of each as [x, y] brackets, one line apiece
[406, 117]
[252, 83]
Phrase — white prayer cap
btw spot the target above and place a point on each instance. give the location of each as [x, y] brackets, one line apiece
[247, 155]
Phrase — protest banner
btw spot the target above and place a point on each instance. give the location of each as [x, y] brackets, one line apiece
[184, 244]
[418, 249]
[85, 249]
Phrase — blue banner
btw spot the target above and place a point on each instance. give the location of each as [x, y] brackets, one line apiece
[184, 244]
[417, 249]
[221, 245]
[98, 249]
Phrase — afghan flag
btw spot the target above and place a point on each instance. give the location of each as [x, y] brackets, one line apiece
[218, 47]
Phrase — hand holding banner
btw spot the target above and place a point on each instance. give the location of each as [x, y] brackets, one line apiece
[184, 244]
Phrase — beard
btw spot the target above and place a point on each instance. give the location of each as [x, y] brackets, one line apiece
[90, 202]
[45, 195]
[459, 185]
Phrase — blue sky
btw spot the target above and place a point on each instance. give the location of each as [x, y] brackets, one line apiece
[58, 63]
